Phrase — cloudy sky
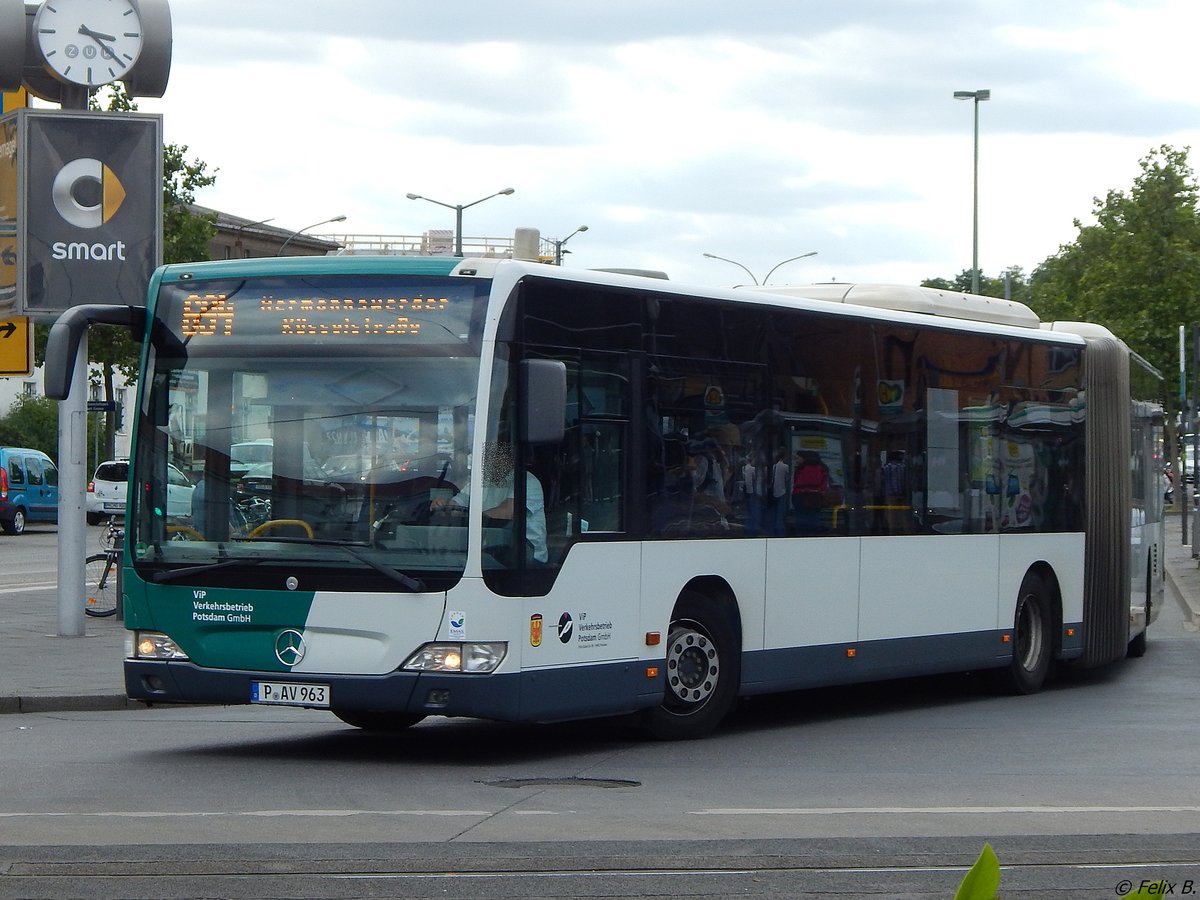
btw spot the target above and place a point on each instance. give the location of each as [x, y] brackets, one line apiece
[755, 131]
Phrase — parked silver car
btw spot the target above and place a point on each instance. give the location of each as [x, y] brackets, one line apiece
[106, 493]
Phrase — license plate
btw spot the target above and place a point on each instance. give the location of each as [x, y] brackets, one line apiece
[114, 507]
[286, 694]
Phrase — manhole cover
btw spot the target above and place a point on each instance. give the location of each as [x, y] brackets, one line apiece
[562, 782]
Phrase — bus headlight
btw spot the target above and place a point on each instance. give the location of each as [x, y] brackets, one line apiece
[151, 645]
[475, 658]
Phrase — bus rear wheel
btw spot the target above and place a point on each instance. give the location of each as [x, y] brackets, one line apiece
[702, 671]
[369, 720]
[1032, 641]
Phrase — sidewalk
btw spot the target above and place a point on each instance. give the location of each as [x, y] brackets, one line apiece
[1183, 571]
[41, 672]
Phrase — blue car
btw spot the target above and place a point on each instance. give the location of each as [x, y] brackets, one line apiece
[28, 488]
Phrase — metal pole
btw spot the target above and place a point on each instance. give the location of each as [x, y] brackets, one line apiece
[1181, 476]
[458, 231]
[72, 484]
[1191, 496]
[975, 209]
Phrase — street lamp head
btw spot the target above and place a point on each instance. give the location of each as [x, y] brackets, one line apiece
[508, 191]
[414, 197]
[973, 95]
[581, 228]
[337, 219]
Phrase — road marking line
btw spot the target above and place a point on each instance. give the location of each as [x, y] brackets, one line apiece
[29, 587]
[252, 813]
[938, 810]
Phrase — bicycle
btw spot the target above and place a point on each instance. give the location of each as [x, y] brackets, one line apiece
[100, 583]
[110, 533]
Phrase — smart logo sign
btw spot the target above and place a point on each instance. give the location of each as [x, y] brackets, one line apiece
[91, 208]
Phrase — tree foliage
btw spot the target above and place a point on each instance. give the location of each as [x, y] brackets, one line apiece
[1011, 283]
[1137, 269]
[31, 422]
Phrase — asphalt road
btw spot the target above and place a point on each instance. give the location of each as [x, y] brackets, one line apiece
[886, 790]
[1084, 790]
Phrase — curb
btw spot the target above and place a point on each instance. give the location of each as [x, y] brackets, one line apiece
[67, 703]
[1181, 598]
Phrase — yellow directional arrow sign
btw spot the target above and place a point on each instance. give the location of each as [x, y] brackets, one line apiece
[16, 347]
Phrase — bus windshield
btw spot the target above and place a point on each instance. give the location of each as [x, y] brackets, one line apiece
[315, 420]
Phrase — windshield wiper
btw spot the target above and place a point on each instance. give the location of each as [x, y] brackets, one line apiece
[414, 585]
[173, 574]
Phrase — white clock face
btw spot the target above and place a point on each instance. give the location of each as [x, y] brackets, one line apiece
[89, 42]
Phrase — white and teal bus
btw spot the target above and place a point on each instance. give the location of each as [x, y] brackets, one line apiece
[514, 491]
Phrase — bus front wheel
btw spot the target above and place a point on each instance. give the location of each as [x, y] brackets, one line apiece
[1032, 639]
[702, 670]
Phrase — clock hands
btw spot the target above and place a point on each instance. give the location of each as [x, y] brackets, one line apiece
[99, 37]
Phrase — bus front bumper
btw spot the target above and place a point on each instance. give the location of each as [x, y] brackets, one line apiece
[545, 695]
[421, 693]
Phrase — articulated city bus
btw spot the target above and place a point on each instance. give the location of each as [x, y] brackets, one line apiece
[448, 487]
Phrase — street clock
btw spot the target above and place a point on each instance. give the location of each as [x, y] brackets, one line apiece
[63, 50]
[89, 42]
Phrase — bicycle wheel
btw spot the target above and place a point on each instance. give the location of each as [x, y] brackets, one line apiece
[100, 585]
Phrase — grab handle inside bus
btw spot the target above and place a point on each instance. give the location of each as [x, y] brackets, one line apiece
[544, 396]
[62, 346]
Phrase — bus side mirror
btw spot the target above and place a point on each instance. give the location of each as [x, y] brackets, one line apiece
[543, 401]
[63, 344]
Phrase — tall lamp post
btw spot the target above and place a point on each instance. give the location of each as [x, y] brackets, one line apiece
[237, 239]
[769, 274]
[558, 245]
[296, 234]
[977, 96]
[458, 211]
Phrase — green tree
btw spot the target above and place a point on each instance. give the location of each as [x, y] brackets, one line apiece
[1137, 269]
[31, 422]
[1012, 280]
[185, 239]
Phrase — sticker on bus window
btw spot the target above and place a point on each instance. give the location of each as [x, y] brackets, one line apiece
[458, 625]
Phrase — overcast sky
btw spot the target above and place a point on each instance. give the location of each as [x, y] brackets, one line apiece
[756, 131]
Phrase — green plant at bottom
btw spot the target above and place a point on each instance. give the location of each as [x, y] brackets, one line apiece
[982, 880]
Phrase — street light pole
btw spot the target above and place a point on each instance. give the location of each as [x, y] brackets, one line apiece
[769, 274]
[735, 262]
[237, 240]
[558, 245]
[977, 96]
[767, 280]
[296, 234]
[458, 211]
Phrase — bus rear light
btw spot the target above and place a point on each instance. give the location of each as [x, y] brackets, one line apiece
[1070, 632]
[1006, 638]
[851, 652]
[151, 645]
[651, 671]
[453, 657]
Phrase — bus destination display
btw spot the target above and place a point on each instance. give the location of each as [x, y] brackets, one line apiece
[217, 315]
